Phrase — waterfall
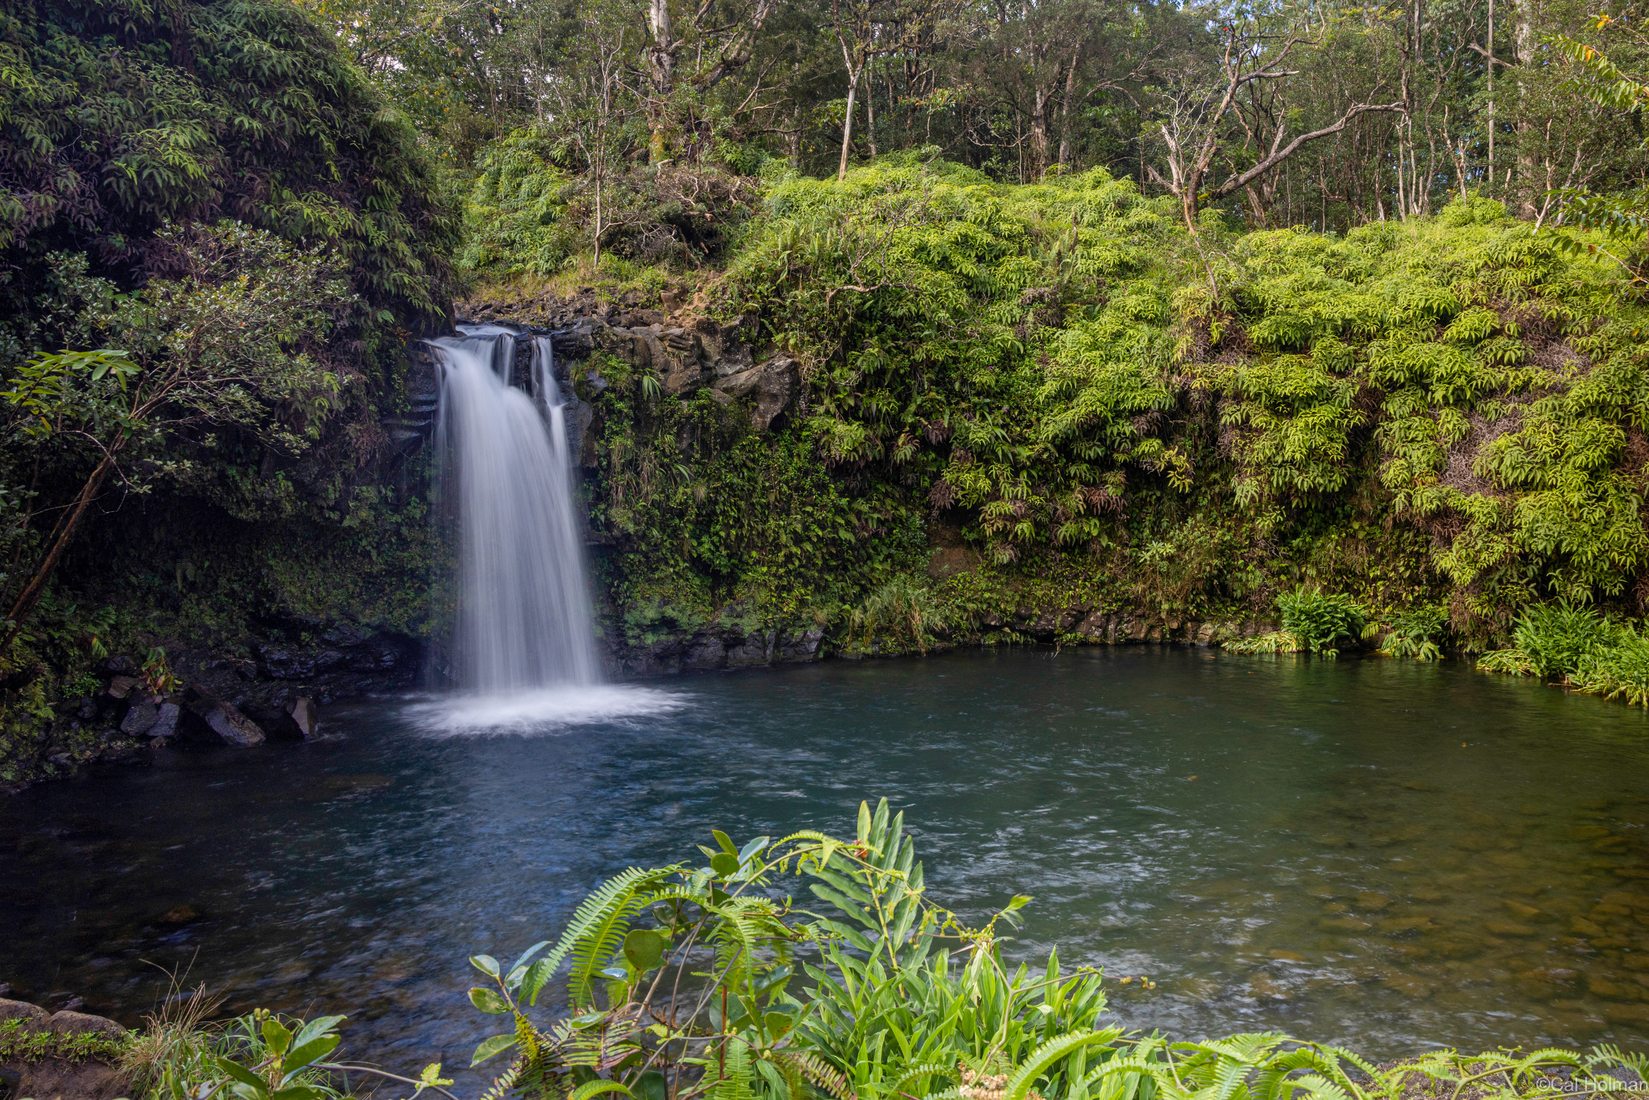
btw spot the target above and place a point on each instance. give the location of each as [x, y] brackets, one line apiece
[523, 617]
[522, 652]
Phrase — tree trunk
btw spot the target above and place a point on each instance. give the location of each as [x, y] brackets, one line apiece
[62, 534]
[1040, 142]
[662, 56]
[1064, 158]
[870, 113]
[847, 121]
[1523, 42]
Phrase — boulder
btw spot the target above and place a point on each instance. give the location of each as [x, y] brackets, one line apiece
[772, 387]
[84, 1023]
[167, 716]
[302, 713]
[121, 686]
[56, 1078]
[208, 718]
[33, 1016]
[140, 718]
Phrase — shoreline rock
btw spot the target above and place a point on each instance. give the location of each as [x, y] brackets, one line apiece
[82, 1067]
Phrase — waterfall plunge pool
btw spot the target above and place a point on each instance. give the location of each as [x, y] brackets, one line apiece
[1379, 853]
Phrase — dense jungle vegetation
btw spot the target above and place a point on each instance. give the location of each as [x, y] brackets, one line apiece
[1317, 317]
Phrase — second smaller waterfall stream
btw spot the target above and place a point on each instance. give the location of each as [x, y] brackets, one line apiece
[522, 647]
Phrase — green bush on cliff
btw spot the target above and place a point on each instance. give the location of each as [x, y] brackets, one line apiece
[1436, 411]
[1444, 412]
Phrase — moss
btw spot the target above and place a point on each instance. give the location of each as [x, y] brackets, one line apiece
[19, 1043]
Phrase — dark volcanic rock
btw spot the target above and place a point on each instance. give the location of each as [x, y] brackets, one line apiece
[140, 718]
[167, 716]
[208, 718]
[773, 387]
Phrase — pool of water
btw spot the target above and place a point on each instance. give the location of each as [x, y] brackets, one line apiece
[1379, 853]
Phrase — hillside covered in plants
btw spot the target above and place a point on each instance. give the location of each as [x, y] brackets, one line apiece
[1060, 325]
[1050, 411]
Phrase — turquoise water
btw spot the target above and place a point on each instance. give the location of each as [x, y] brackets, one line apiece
[1384, 854]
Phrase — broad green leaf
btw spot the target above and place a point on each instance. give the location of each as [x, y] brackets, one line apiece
[492, 1048]
[644, 948]
[489, 1001]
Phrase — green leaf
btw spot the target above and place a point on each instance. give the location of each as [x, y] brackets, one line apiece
[489, 1001]
[725, 864]
[492, 1048]
[644, 948]
[309, 1053]
[320, 1025]
[243, 1075]
[276, 1036]
[486, 964]
[724, 842]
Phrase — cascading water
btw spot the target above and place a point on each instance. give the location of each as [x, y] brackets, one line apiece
[522, 648]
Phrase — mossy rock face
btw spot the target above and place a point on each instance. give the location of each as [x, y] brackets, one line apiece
[60, 1056]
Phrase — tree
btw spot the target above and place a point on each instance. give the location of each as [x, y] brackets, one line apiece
[231, 344]
[1625, 94]
[590, 104]
[1202, 114]
[868, 29]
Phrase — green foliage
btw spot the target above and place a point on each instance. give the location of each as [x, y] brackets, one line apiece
[901, 615]
[182, 1055]
[1416, 634]
[1438, 413]
[1271, 643]
[215, 198]
[713, 980]
[516, 220]
[1619, 670]
[1560, 639]
[1322, 621]
[1580, 647]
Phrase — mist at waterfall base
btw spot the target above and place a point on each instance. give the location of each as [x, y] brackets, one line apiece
[522, 654]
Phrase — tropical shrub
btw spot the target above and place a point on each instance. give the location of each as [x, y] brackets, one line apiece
[902, 615]
[1560, 639]
[1416, 634]
[1619, 670]
[1322, 621]
[879, 993]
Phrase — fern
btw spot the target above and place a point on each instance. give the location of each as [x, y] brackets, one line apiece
[595, 934]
